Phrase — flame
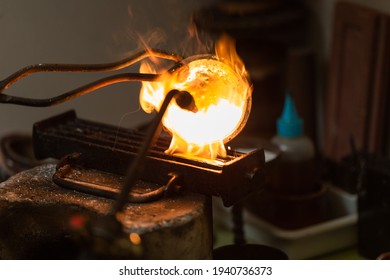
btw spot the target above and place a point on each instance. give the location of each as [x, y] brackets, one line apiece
[222, 93]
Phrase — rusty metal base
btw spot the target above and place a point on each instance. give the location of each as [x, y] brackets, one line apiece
[34, 214]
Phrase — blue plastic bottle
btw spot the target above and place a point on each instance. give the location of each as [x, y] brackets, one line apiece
[296, 172]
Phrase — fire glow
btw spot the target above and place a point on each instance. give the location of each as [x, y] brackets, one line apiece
[222, 95]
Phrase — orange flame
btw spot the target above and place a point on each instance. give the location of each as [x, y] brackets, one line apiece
[222, 93]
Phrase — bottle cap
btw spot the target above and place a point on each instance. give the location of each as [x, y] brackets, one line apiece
[289, 124]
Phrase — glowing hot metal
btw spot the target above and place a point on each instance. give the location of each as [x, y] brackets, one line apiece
[222, 94]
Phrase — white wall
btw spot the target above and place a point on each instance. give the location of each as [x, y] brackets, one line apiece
[82, 31]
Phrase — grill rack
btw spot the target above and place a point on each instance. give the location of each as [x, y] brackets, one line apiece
[112, 149]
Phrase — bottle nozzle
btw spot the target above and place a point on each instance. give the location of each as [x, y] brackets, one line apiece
[289, 124]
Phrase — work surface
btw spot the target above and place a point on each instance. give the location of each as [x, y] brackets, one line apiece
[32, 208]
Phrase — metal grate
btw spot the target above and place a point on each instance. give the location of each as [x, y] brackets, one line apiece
[111, 149]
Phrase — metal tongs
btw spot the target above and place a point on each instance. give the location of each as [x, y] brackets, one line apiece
[80, 91]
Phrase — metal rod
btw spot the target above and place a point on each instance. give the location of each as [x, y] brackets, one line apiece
[238, 224]
[102, 67]
[119, 78]
[137, 165]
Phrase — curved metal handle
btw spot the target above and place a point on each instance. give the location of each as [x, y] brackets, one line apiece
[106, 67]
